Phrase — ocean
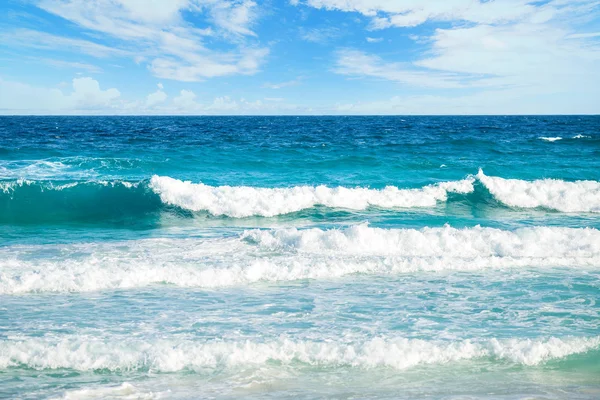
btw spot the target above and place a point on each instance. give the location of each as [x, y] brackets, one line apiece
[300, 257]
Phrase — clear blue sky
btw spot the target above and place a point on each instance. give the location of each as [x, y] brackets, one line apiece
[299, 57]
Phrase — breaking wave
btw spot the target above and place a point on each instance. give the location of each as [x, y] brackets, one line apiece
[92, 354]
[554, 194]
[288, 255]
[26, 201]
[241, 201]
[539, 242]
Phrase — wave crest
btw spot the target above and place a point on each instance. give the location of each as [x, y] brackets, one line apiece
[554, 194]
[290, 254]
[86, 353]
[540, 242]
[26, 201]
[244, 201]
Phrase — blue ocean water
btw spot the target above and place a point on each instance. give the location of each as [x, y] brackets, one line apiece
[300, 257]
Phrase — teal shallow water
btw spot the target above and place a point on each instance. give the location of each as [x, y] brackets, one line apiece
[339, 257]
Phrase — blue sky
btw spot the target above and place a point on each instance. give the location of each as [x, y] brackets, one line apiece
[299, 57]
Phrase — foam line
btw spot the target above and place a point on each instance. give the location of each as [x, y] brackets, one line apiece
[290, 254]
[91, 354]
[243, 201]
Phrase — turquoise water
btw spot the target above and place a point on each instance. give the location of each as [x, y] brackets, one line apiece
[300, 257]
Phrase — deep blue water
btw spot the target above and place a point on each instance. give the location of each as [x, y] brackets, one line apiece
[393, 257]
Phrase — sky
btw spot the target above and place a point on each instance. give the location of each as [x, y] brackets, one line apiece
[297, 57]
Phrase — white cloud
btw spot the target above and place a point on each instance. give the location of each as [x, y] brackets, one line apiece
[359, 64]
[86, 95]
[519, 54]
[155, 31]
[145, 18]
[583, 35]
[408, 13]
[46, 41]
[154, 11]
[320, 35]
[224, 103]
[186, 101]
[493, 102]
[194, 67]
[235, 17]
[280, 85]
[528, 46]
[126, 19]
[71, 65]
[16, 97]
[488, 56]
[158, 97]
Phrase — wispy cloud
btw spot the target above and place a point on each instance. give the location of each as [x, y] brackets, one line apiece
[157, 32]
[85, 94]
[321, 35]
[46, 41]
[473, 56]
[583, 35]
[281, 85]
[360, 64]
[72, 65]
[524, 45]
[409, 13]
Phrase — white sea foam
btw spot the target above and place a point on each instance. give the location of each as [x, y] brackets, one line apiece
[555, 194]
[64, 168]
[243, 201]
[9, 187]
[87, 353]
[580, 136]
[550, 139]
[448, 242]
[32, 169]
[290, 254]
[125, 391]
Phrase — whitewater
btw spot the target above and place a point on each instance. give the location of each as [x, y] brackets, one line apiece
[82, 199]
[299, 257]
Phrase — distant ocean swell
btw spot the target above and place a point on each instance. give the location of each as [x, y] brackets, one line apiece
[39, 201]
[290, 254]
[88, 353]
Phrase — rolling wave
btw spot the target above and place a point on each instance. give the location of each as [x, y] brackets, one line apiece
[83, 353]
[92, 201]
[244, 201]
[538, 242]
[288, 255]
[34, 202]
[553, 194]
